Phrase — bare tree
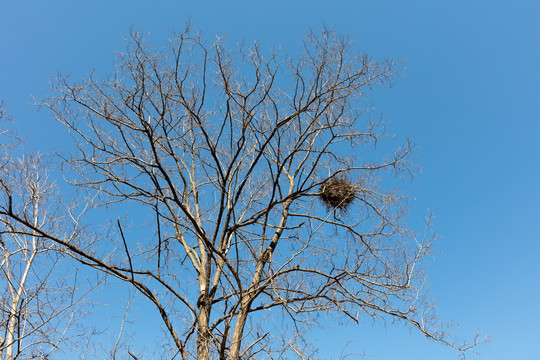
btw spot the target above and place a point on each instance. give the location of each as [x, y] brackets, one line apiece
[270, 203]
[39, 296]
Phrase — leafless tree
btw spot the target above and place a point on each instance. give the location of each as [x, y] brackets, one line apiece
[270, 204]
[39, 296]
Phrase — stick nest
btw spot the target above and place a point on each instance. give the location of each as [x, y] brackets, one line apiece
[338, 193]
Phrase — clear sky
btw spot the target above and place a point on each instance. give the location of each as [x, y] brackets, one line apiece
[469, 97]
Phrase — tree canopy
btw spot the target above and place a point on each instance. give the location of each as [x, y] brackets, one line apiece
[268, 207]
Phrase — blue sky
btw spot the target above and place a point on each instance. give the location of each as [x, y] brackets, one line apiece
[469, 97]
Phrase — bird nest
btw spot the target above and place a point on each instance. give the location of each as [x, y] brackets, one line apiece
[338, 193]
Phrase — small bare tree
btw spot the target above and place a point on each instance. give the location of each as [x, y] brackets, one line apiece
[270, 205]
[39, 296]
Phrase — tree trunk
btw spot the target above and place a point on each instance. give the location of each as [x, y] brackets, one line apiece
[15, 300]
[236, 341]
[203, 333]
[204, 304]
